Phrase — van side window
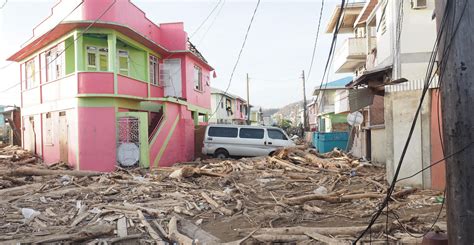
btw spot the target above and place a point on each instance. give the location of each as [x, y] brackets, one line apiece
[223, 132]
[276, 134]
[251, 133]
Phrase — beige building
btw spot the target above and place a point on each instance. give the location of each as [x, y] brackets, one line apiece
[388, 55]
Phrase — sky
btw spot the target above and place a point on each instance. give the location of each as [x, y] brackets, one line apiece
[278, 48]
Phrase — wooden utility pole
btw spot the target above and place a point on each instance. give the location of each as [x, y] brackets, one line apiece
[457, 97]
[305, 115]
[248, 100]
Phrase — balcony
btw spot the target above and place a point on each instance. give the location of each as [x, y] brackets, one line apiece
[352, 54]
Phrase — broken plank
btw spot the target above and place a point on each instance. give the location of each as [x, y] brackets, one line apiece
[153, 234]
[122, 227]
[323, 238]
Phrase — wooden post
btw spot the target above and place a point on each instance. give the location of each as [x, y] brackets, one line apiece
[248, 100]
[305, 114]
[457, 91]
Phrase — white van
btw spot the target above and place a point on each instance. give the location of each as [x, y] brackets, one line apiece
[223, 140]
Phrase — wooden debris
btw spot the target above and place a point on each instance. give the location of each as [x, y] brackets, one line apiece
[137, 206]
[150, 230]
[211, 201]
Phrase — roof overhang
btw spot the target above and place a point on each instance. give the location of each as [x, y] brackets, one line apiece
[66, 27]
[365, 13]
[349, 16]
[376, 80]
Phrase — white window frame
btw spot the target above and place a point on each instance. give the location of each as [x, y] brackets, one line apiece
[99, 50]
[30, 79]
[54, 62]
[197, 84]
[123, 53]
[154, 72]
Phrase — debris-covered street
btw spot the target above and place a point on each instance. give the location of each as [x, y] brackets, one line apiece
[295, 195]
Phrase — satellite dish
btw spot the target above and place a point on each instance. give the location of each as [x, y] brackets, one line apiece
[355, 118]
[128, 154]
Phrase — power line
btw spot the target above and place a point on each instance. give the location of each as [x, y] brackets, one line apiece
[11, 87]
[46, 34]
[238, 57]
[425, 90]
[212, 23]
[332, 48]
[204, 21]
[4, 3]
[316, 40]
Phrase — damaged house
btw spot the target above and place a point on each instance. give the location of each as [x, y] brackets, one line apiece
[389, 64]
[102, 85]
[227, 108]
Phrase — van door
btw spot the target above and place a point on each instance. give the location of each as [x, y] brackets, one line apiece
[221, 137]
[252, 142]
[276, 139]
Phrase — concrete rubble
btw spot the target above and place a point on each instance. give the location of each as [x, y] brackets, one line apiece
[296, 196]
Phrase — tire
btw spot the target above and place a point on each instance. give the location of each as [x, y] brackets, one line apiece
[221, 154]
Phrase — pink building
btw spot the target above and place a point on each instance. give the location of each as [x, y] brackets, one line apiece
[102, 85]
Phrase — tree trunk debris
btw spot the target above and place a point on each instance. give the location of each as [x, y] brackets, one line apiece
[292, 196]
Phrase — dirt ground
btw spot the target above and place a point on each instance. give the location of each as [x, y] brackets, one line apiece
[209, 202]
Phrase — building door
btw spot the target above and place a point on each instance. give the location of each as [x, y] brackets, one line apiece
[132, 139]
[63, 137]
[32, 135]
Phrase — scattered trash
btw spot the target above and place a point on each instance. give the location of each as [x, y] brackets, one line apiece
[29, 213]
[321, 191]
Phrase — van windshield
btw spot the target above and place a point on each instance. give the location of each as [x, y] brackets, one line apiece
[223, 132]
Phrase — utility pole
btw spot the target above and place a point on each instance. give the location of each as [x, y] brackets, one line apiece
[457, 98]
[248, 100]
[305, 115]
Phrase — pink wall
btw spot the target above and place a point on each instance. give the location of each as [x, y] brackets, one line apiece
[180, 148]
[199, 98]
[171, 36]
[96, 83]
[51, 149]
[181, 144]
[438, 172]
[130, 86]
[156, 91]
[97, 143]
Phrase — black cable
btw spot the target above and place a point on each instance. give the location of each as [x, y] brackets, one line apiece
[437, 162]
[332, 48]
[3, 5]
[204, 21]
[395, 177]
[46, 34]
[392, 186]
[238, 58]
[316, 39]
[212, 23]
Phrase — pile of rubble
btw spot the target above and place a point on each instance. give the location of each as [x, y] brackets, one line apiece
[294, 196]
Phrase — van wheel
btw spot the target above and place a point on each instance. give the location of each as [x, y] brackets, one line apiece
[221, 154]
[271, 153]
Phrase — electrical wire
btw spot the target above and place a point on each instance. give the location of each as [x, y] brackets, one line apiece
[4, 3]
[46, 34]
[204, 21]
[238, 57]
[316, 40]
[212, 23]
[425, 89]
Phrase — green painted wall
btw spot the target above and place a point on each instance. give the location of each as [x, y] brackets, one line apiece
[137, 61]
[70, 56]
[92, 40]
[338, 118]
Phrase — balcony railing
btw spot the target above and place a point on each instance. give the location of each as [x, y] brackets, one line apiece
[352, 54]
